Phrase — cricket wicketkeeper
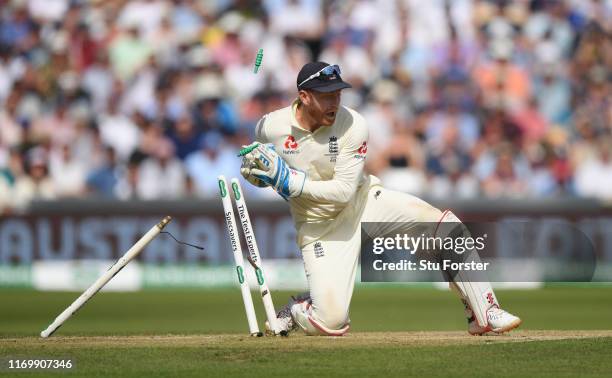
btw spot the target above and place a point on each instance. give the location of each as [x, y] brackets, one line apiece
[313, 153]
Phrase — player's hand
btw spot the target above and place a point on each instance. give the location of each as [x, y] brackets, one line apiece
[248, 163]
[274, 171]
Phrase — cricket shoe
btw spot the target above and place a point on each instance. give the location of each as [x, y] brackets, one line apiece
[499, 321]
[284, 318]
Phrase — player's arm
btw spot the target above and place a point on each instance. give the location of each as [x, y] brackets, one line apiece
[271, 169]
[347, 172]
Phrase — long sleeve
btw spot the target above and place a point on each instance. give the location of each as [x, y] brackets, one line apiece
[347, 172]
[260, 135]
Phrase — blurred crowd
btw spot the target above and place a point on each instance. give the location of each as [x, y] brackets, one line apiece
[151, 99]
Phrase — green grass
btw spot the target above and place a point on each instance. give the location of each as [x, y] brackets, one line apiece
[277, 358]
[26, 313]
[386, 311]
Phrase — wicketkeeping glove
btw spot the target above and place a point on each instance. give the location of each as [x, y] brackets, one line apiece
[272, 170]
[248, 163]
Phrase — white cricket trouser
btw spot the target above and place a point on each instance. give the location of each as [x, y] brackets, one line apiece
[331, 262]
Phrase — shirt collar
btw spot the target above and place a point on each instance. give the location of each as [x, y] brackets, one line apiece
[294, 121]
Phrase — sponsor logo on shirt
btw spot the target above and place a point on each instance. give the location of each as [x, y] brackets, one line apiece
[362, 151]
[290, 146]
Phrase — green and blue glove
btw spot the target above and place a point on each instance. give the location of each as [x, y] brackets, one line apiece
[262, 166]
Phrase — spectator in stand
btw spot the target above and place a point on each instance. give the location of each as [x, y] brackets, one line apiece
[470, 97]
[102, 180]
[381, 111]
[532, 124]
[35, 184]
[185, 137]
[98, 81]
[449, 164]
[404, 159]
[128, 52]
[506, 179]
[128, 177]
[67, 172]
[118, 130]
[162, 175]
[542, 181]
[215, 157]
[13, 169]
[11, 132]
[594, 175]
[452, 116]
[503, 83]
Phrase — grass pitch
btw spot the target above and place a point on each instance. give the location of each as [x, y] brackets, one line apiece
[395, 331]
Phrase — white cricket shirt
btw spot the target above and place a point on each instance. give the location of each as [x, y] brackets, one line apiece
[333, 159]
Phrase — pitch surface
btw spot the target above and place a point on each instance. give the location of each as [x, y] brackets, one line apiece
[396, 331]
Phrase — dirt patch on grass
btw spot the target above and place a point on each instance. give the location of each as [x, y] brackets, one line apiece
[296, 341]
